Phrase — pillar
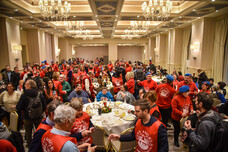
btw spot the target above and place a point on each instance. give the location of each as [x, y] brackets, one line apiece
[112, 52]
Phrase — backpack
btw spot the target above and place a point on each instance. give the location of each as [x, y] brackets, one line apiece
[35, 108]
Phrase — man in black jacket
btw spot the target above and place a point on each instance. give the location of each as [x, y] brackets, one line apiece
[15, 77]
[31, 91]
[203, 138]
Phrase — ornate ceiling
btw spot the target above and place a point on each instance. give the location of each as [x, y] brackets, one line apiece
[109, 18]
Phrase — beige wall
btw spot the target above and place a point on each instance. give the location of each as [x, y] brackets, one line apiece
[130, 53]
[91, 52]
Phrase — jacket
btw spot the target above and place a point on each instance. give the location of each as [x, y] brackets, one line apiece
[202, 138]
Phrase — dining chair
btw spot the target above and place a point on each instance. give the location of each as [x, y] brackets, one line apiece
[13, 121]
[129, 146]
[100, 139]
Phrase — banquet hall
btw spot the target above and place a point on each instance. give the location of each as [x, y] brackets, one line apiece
[185, 38]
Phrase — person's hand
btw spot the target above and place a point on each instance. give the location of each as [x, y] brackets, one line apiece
[114, 96]
[184, 115]
[91, 149]
[195, 92]
[92, 129]
[84, 146]
[187, 124]
[102, 98]
[138, 81]
[114, 137]
[192, 112]
[86, 133]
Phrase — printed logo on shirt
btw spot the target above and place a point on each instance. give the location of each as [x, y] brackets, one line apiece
[164, 92]
[47, 145]
[80, 126]
[144, 141]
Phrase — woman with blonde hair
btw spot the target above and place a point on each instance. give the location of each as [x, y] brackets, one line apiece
[130, 82]
[58, 85]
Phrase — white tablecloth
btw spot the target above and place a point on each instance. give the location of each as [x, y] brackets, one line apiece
[111, 122]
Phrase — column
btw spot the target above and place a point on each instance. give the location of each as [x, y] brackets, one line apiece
[112, 52]
[161, 49]
[152, 45]
[65, 49]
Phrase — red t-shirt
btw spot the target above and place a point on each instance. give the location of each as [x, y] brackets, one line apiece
[192, 87]
[148, 85]
[131, 85]
[165, 94]
[117, 82]
[110, 67]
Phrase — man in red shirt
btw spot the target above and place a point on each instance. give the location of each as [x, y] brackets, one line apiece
[96, 70]
[54, 67]
[165, 93]
[110, 66]
[42, 73]
[148, 84]
[188, 81]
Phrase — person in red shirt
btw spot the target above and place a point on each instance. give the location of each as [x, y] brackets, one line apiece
[175, 81]
[24, 72]
[206, 87]
[7, 146]
[96, 70]
[130, 82]
[87, 85]
[110, 66]
[151, 97]
[54, 67]
[45, 62]
[191, 84]
[180, 76]
[117, 81]
[148, 84]
[128, 68]
[82, 121]
[181, 108]
[58, 85]
[43, 71]
[165, 93]
[76, 76]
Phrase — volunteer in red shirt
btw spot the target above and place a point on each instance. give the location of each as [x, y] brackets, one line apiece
[117, 81]
[130, 82]
[45, 62]
[43, 71]
[57, 139]
[181, 108]
[110, 66]
[165, 93]
[180, 76]
[188, 81]
[97, 70]
[149, 133]
[206, 87]
[82, 121]
[76, 76]
[175, 81]
[54, 67]
[148, 84]
[128, 68]
[87, 85]
[45, 125]
[58, 85]
[151, 97]
[24, 72]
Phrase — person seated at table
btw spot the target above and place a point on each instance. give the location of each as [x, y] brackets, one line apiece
[82, 122]
[104, 94]
[57, 139]
[79, 93]
[150, 133]
[117, 81]
[148, 84]
[151, 97]
[124, 95]
[130, 82]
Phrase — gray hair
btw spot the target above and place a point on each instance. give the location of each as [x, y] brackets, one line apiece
[32, 83]
[63, 113]
[63, 75]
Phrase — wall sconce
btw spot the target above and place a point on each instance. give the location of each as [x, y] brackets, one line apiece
[195, 47]
[73, 52]
[16, 49]
[57, 52]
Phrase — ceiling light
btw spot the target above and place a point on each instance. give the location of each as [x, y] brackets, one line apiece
[171, 20]
[40, 21]
[180, 17]
[16, 10]
[212, 0]
[31, 17]
[194, 10]
[11, 17]
[74, 16]
[117, 15]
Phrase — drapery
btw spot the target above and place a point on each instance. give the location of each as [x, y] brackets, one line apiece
[225, 66]
[186, 37]
[218, 53]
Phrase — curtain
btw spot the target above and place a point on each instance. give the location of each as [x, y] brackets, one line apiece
[186, 38]
[225, 65]
[48, 47]
[218, 53]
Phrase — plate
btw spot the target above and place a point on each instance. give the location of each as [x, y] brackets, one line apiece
[129, 118]
[118, 102]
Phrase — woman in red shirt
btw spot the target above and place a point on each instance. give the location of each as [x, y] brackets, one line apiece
[206, 87]
[151, 97]
[181, 108]
[130, 82]
[117, 81]
[50, 91]
[58, 85]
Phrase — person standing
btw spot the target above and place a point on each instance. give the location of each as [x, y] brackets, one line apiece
[181, 108]
[15, 77]
[7, 74]
[165, 93]
[66, 87]
[148, 84]
[31, 117]
[150, 133]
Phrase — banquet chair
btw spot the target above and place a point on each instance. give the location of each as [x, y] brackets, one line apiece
[184, 146]
[216, 102]
[99, 139]
[13, 121]
[118, 146]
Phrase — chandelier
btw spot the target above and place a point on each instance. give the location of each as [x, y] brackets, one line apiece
[139, 26]
[84, 34]
[129, 34]
[73, 26]
[54, 11]
[156, 9]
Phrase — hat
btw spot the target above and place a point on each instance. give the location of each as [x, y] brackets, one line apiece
[148, 73]
[170, 77]
[45, 60]
[52, 61]
[184, 88]
[188, 74]
[42, 62]
[43, 67]
[207, 82]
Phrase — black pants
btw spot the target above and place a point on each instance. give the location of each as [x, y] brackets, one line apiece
[166, 114]
[176, 125]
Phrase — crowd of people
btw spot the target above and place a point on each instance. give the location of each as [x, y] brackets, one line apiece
[41, 90]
